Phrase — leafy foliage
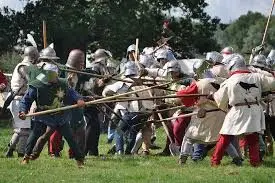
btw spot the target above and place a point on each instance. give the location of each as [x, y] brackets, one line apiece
[114, 24]
[247, 32]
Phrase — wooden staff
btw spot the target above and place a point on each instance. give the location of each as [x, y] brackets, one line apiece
[45, 34]
[127, 99]
[172, 146]
[182, 116]
[136, 54]
[92, 102]
[113, 78]
[267, 23]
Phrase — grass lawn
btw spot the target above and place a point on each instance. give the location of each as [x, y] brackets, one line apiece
[126, 169]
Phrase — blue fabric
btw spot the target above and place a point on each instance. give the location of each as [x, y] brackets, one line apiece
[198, 152]
[52, 120]
[131, 123]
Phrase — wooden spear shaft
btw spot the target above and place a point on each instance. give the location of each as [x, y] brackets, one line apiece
[163, 124]
[267, 24]
[93, 102]
[182, 116]
[136, 54]
[45, 34]
[127, 99]
[116, 79]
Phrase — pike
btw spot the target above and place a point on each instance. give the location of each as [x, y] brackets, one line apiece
[183, 116]
[127, 99]
[94, 101]
[45, 34]
[61, 67]
[174, 150]
[267, 23]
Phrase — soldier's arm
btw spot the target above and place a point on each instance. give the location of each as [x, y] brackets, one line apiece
[29, 97]
[23, 70]
[73, 95]
[268, 83]
[221, 97]
[155, 72]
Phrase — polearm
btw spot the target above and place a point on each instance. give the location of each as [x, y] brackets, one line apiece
[94, 101]
[183, 116]
[127, 99]
[267, 23]
[102, 76]
[45, 34]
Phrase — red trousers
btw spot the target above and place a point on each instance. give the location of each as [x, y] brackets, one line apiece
[55, 143]
[252, 140]
[179, 128]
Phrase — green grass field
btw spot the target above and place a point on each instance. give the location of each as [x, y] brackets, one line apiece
[127, 168]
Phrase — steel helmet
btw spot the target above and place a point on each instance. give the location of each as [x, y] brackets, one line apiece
[101, 55]
[236, 62]
[173, 66]
[214, 57]
[48, 53]
[131, 48]
[227, 50]
[75, 59]
[31, 53]
[270, 58]
[259, 61]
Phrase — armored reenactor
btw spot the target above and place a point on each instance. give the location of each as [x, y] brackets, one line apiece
[242, 91]
[205, 129]
[19, 83]
[50, 92]
[91, 87]
[259, 65]
[75, 61]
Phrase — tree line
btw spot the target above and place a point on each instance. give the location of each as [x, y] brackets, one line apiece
[112, 24]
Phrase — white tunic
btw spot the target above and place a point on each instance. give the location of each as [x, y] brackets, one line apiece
[19, 79]
[206, 130]
[235, 90]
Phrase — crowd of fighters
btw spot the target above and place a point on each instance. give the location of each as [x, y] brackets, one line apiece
[231, 99]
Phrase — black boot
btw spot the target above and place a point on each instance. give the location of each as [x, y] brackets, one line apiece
[237, 161]
[9, 153]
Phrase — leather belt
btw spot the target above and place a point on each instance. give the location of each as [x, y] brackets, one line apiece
[247, 104]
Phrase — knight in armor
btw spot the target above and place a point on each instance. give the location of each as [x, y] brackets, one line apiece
[130, 56]
[130, 120]
[242, 92]
[270, 115]
[19, 83]
[92, 87]
[163, 56]
[47, 57]
[259, 65]
[50, 92]
[205, 129]
[75, 61]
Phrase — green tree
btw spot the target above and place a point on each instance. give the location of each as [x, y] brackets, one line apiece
[114, 24]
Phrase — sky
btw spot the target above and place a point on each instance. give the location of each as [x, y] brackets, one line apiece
[226, 10]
